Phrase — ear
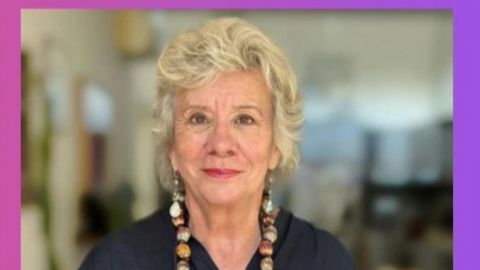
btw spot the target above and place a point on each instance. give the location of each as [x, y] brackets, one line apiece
[274, 158]
[173, 158]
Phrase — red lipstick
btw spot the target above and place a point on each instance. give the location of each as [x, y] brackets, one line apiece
[221, 172]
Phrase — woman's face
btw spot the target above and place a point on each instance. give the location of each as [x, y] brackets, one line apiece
[223, 143]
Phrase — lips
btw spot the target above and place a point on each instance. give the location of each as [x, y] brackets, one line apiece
[221, 172]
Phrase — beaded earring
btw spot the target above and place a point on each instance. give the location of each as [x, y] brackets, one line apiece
[267, 204]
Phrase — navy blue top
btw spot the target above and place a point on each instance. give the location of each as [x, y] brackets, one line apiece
[150, 244]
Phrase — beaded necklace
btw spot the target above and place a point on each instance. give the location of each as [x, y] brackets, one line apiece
[178, 214]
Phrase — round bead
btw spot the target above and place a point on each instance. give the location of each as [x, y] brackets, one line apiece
[266, 264]
[183, 265]
[175, 209]
[270, 234]
[183, 250]
[267, 206]
[266, 248]
[183, 234]
[267, 219]
[177, 221]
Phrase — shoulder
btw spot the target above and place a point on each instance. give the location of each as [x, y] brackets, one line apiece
[143, 244]
[316, 248]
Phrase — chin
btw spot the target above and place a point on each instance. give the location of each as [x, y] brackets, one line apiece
[224, 196]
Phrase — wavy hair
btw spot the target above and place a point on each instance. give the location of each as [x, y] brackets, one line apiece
[195, 58]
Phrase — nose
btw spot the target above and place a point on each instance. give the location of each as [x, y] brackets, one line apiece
[221, 143]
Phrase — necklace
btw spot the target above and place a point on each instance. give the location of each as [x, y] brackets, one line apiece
[178, 213]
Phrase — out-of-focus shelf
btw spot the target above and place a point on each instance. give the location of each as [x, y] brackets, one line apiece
[424, 198]
[413, 188]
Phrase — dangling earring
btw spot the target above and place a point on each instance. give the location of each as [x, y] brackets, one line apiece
[267, 205]
[176, 209]
[177, 198]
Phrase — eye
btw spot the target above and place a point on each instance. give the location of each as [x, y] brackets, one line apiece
[198, 119]
[244, 120]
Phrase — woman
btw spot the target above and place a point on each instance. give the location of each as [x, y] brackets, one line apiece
[228, 115]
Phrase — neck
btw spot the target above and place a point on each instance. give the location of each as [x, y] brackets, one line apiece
[225, 230]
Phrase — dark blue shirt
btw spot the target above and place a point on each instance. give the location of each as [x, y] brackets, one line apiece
[150, 244]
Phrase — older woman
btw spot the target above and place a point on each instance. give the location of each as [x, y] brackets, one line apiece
[228, 120]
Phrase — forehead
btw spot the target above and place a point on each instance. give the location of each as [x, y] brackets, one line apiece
[246, 86]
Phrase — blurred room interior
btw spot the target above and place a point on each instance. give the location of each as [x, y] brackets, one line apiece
[376, 152]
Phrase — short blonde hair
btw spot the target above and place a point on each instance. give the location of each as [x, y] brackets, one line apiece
[195, 58]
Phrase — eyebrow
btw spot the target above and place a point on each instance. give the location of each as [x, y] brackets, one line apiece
[249, 107]
[239, 107]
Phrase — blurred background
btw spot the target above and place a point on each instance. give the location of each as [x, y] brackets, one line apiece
[376, 154]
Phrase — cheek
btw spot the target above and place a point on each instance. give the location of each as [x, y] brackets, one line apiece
[188, 146]
[257, 146]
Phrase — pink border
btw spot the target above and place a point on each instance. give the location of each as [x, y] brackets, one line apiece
[10, 138]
